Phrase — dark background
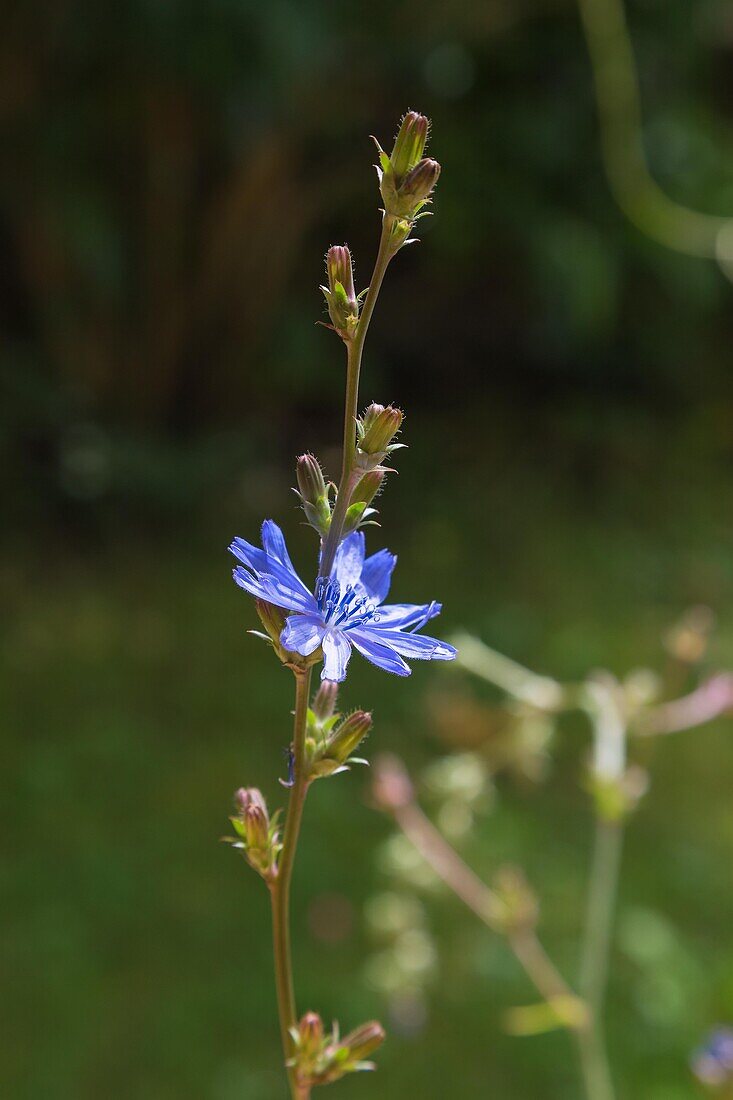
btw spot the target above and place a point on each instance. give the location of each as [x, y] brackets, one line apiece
[172, 176]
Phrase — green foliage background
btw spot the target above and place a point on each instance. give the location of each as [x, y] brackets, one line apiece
[177, 172]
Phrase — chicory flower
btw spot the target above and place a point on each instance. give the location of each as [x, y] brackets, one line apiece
[346, 610]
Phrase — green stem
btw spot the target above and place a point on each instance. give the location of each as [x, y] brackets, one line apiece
[280, 888]
[595, 956]
[355, 350]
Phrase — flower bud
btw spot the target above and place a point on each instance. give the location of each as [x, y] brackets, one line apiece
[324, 704]
[257, 835]
[341, 299]
[410, 143]
[310, 1036]
[364, 1040]
[406, 178]
[369, 486]
[248, 797]
[375, 431]
[313, 493]
[419, 182]
[348, 735]
[256, 826]
[358, 514]
[311, 483]
[332, 753]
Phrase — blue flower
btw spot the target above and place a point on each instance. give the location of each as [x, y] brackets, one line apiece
[346, 610]
[713, 1062]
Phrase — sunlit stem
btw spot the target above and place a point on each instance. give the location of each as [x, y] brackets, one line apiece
[355, 350]
[280, 887]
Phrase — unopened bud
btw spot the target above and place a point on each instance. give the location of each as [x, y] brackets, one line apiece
[256, 824]
[358, 514]
[377, 428]
[419, 182]
[257, 835]
[324, 703]
[332, 753]
[247, 797]
[348, 735]
[410, 143]
[313, 493]
[369, 486]
[310, 1035]
[363, 1041]
[311, 483]
[341, 299]
[252, 813]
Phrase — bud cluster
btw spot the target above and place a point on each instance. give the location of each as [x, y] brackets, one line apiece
[257, 836]
[376, 430]
[331, 738]
[406, 177]
[321, 1058]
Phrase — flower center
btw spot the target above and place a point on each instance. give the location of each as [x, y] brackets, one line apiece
[344, 607]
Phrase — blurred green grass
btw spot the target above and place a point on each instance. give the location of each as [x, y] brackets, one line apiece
[136, 949]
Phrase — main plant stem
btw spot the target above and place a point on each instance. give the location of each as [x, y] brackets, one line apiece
[354, 352]
[595, 956]
[280, 888]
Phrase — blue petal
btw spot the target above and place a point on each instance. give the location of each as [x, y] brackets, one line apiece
[302, 634]
[349, 559]
[246, 580]
[273, 541]
[383, 656]
[275, 562]
[266, 587]
[336, 653]
[376, 574]
[250, 555]
[419, 646]
[401, 615]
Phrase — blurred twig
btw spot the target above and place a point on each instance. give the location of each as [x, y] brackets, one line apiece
[394, 793]
[620, 119]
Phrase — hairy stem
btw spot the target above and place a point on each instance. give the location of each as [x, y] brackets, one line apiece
[280, 888]
[595, 956]
[355, 350]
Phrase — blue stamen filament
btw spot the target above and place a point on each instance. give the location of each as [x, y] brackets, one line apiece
[345, 610]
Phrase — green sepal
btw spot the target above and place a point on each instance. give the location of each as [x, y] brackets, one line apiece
[354, 514]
